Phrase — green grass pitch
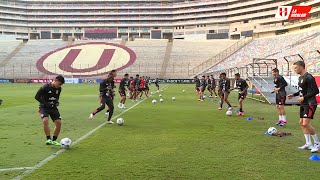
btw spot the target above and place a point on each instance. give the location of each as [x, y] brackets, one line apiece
[182, 139]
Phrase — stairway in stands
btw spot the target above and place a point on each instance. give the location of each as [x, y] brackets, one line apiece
[166, 59]
[12, 54]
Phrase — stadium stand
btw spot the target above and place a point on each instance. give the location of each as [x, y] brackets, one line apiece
[6, 47]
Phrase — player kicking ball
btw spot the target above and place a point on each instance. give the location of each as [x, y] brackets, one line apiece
[280, 85]
[122, 91]
[48, 97]
[106, 96]
[308, 105]
[242, 87]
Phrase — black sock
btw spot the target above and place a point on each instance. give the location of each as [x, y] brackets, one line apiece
[241, 110]
[54, 138]
[48, 137]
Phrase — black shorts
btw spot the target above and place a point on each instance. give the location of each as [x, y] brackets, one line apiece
[52, 112]
[122, 93]
[307, 111]
[147, 88]
[209, 88]
[141, 89]
[157, 85]
[203, 89]
[223, 93]
[242, 96]
[197, 89]
[280, 99]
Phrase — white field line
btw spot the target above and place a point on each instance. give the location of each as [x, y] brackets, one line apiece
[15, 169]
[43, 162]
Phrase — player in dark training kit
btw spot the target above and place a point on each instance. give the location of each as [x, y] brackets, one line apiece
[122, 91]
[48, 96]
[203, 85]
[213, 86]
[307, 98]
[280, 85]
[196, 80]
[225, 90]
[157, 83]
[106, 96]
[242, 87]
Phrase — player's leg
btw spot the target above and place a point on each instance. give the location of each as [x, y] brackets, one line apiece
[221, 100]
[226, 95]
[240, 100]
[215, 93]
[45, 121]
[282, 110]
[102, 106]
[109, 103]
[56, 132]
[310, 111]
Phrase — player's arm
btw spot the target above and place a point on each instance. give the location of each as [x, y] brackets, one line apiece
[246, 87]
[284, 83]
[57, 100]
[313, 88]
[228, 85]
[39, 96]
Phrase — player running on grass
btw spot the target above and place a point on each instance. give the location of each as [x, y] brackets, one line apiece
[213, 86]
[225, 91]
[106, 96]
[48, 96]
[280, 84]
[209, 86]
[203, 86]
[197, 83]
[307, 99]
[242, 87]
[157, 83]
[122, 91]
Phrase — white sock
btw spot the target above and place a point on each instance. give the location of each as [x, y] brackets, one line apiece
[280, 117]
[315, 138]
[284, 118]
[308, 139]
[122, 105]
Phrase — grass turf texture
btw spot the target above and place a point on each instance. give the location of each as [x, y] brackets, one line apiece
[182, 139]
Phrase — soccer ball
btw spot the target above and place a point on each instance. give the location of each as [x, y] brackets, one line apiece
[161, 90]
[229, 113]
[183, 90]
[65, 143]
[120, 121]
[272, 130]
[173, 98]
[160, 95]
[204, 97]
[161, 100]
[154, 101]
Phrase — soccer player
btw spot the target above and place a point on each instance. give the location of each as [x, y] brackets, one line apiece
[225, 90]
[280, 85]
[147, 84]
[213, 86]
[106, 96]
[203, 86]
[122, 91]
[308, 105]
[242, 87]
[197, 82]
[131, 88]
[142, 87]
[136, 84]
[157, 83]
[48, 97]
[209, 86]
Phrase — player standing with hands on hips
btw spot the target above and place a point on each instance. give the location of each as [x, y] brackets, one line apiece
[106, 96]
[48, 97]
[307, 98]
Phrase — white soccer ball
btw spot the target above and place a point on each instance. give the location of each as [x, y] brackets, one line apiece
[204, 97]
[161, 90]
[173, 98]
[160, 95]
[161, 100]
[183, 90]
[120, 121]
[229, 113]
[154, 101]
[65, 143]
[272, 130]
